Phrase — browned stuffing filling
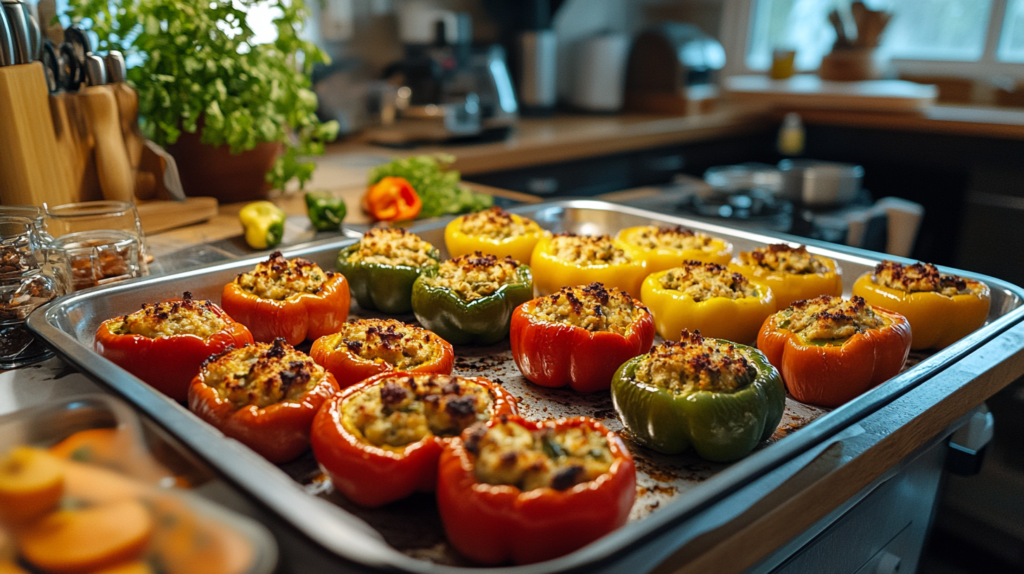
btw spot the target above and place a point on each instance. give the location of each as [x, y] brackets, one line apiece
[474, 276]
[703, 281]
[678, 238]
[828, 318]
[509, 454]
[185, 317]
[496, 223]
[587, 250]
[593, 307]
[393, 246]
[919, 277]
[402, 410]
[262, 374]
[695, 363]
[278, 278]
[387, 341]
[785, 259]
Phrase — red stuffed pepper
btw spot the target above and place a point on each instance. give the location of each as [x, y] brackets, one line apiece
[367, 347]
[292, 299]
[579, 336]
[379, 440]
[522, 491]
[166, 343]
[830, 350]
[265, 396]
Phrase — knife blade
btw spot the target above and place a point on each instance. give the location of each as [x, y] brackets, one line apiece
[17, 20]
[6, 46]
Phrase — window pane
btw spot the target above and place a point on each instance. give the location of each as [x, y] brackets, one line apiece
[1011, 42]
[800, 25]
[937, 29]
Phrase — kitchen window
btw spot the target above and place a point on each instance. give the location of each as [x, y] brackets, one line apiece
[973, 38]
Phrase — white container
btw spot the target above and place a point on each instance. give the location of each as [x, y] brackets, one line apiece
[599, 77]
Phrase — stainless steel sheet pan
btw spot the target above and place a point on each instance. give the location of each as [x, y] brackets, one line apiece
[407, 535]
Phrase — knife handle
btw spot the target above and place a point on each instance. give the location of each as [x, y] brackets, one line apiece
[112, 165]
[17, 19]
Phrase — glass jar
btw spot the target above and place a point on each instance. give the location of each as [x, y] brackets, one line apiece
[25, 284]
[97, 216]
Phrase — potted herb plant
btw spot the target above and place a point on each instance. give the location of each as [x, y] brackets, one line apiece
[238, 116]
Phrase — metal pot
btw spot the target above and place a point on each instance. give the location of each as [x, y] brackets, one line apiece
[819, 183]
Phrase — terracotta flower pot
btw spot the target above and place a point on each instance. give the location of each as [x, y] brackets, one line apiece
[212, 171]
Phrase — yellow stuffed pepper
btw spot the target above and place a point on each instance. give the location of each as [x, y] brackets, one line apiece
[709, 298]
[793, 273]
[567, 259]
[941, 308]
[495, 232]
[667, 247]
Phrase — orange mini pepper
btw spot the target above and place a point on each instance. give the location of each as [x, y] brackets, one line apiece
[392, 199]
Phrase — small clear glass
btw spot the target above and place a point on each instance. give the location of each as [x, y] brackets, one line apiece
[102, 256]
[70, 218]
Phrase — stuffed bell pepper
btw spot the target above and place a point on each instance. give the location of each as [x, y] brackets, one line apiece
[663, 248]
[567, 259]
[523, 491]
[288, 298]
[717, 397]
[493, 231]
[941, 308]
[379, 440]
[469, 300]
[830, 350]
[165, 344]
[367, 347]
[707, 297]
[382, 267]
[264, 396]
[793, 273]
[579, 336]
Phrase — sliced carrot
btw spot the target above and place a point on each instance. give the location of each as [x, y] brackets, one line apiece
[10, 568]
[187, 543]
[93, 445]
[79, 541]
[97, 485]
[31, 483]
[136, 567]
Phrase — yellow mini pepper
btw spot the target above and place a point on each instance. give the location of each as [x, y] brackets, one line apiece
[264, 224]
[639, 240]
[737, 320]
[551, 273]
[518, 246]
[769, 265]
[936, 320]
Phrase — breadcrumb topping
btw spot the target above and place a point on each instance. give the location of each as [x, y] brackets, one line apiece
[278, 278]
[510, 454]
[678, 238]
[393, 246]
[592, 307]
[588, 250]
[186, 317]
[387, 341]
[703, 281]
[496, 223]
[401, 410]
[695, 363]
[828, 318]
[785, 259]
[919, 277]
[474, 276]
[262, 374]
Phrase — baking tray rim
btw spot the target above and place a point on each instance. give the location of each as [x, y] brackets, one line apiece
[268, 493]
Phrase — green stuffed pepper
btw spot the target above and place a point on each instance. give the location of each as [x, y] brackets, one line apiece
[382, 267]
[469, 300]
[325, 211]
[715, 396]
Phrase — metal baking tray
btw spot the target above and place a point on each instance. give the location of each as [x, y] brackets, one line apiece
[408, 535]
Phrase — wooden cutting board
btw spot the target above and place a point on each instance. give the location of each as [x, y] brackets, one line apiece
[161, 215]
[809, 91]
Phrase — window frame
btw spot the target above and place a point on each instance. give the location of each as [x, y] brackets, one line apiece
[737, 24]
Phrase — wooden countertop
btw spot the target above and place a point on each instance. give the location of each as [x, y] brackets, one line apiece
[972, 121]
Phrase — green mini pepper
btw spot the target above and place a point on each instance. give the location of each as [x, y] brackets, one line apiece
[720, 426]
[482, 321]
[264, 224]
[325, 211]
[380, 287]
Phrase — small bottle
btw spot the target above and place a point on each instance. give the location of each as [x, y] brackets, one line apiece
[791, 135]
